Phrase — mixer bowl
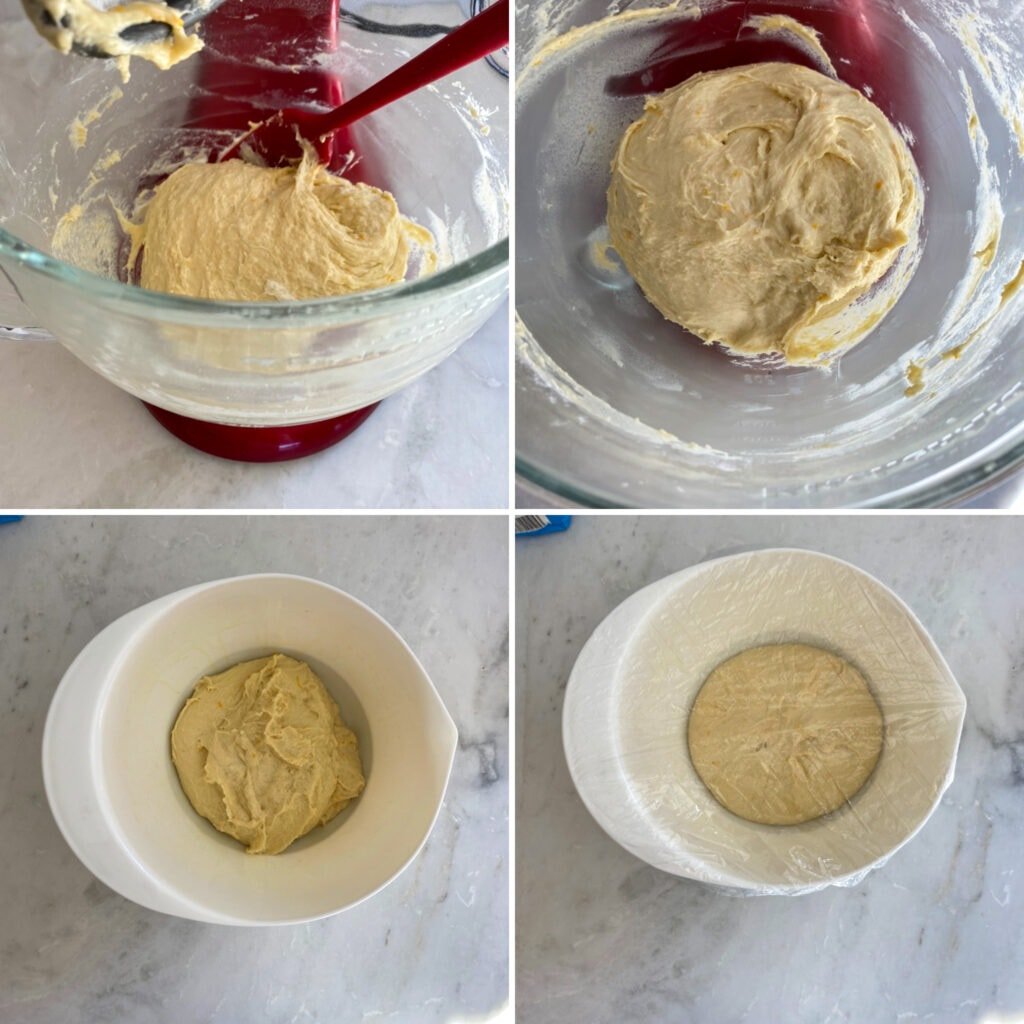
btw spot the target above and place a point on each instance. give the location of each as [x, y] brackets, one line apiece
[617, 406]
[246, 364]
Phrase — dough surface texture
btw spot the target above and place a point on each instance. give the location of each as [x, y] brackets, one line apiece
[263, 755]
[754, 203]
[784, 733]
[235, 231]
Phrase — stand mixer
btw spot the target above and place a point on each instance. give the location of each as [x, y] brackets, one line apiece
[617, 406]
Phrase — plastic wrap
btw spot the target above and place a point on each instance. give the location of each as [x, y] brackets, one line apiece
[634, 684]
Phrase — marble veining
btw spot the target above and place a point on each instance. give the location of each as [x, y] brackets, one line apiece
[442, 442]
[936, 934]
[430, 948]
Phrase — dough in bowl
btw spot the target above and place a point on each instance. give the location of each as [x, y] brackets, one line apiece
[263, 755]
[784, 733]
[235, 231]
[755, 203]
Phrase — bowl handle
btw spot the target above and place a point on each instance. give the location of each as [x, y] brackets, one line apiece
[15, 317]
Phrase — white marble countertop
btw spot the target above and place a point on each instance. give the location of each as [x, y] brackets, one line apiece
[432, 947]
[934, 935]
[73, 440]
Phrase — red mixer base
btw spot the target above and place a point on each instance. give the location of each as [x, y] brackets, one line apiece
[260, 444]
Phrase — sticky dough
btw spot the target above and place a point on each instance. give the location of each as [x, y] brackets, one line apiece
[752, 204]
[784, 733]
[237, 231]
[78, 21]
[263, 755]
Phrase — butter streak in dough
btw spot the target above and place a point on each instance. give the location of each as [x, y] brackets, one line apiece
[263, 755]
[784, 733]
[237, 231]
[752, 204]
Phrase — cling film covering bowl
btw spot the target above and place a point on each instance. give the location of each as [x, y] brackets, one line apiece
[633, 686]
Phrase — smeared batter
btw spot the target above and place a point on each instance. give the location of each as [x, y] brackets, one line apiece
[77, 21]
[809, 39]
[753, 204]
[237, 231]
[263, 755]
[784, 733]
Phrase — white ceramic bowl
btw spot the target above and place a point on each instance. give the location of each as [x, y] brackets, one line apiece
[634, 683]
[238, 363]
[115, 794]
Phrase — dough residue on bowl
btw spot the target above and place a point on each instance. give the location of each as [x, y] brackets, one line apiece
[263, 755]
[784, 733]
[64, 23]
[755, 204]
[237, 231]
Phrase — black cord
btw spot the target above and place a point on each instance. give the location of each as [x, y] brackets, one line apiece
[413, 31]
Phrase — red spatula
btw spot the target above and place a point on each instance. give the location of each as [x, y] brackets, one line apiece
[276, 140]
[260, 56]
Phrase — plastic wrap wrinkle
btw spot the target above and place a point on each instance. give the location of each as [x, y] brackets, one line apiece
[784, 733]
[634, 684]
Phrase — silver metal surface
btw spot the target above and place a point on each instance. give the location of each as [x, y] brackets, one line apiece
[191, 11]
[1008, 494]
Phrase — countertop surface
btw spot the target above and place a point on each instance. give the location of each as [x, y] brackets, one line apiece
[73, 440]
[935, 934]
[432, 947]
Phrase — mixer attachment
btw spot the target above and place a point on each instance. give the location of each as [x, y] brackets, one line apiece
[143, 32]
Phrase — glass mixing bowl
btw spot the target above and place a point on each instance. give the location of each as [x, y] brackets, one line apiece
[617, 406]
[71, 135]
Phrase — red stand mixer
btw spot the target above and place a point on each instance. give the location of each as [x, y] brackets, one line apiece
[264, 76]
[248, 45]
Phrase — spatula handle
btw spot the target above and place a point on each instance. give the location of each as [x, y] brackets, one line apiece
[472, 40]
